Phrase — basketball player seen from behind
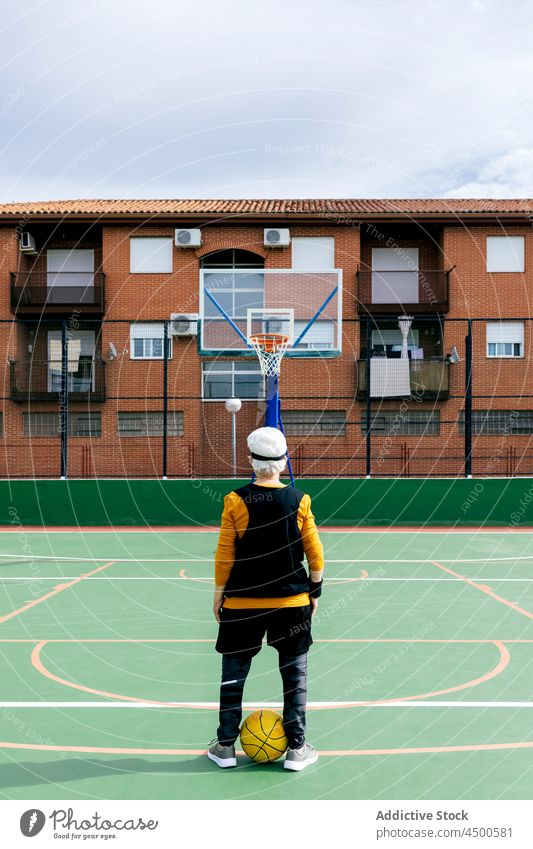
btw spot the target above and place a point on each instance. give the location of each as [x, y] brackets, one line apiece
[262, 587]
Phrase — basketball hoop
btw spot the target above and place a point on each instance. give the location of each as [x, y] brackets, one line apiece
[270, 348]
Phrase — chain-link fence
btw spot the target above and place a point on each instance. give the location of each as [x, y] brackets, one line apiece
[410, 396]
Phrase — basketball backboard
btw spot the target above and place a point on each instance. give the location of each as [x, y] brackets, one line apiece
[305, 305]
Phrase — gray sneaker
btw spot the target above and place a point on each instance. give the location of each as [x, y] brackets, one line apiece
[298, 759]
[223, 756]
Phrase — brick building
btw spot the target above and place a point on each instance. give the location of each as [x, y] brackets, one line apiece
[434, 338]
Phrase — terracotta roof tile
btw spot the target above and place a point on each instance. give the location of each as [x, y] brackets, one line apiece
[340, 206]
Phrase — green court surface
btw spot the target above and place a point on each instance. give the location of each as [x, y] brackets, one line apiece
[420, 678]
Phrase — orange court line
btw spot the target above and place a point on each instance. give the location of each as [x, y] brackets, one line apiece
[55, 591]
[486, 590]
[332, 753]
[39, 666]
[363, 577]
[187, 578]
[492, 673]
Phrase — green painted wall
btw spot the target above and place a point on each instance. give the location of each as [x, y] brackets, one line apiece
[502, 501]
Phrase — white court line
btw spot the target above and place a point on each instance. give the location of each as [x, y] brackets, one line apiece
[265, 704]
[49, 558]
[24, 558]
[523, 561]
[110, 579]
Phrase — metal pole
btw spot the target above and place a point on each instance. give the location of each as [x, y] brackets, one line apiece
[289, 464]
[468, 401]
[368, 423]
[63, 401]
[165, 397]
[234, 444]
[233, 405]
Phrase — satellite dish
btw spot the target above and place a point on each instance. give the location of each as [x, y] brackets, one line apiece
[454, 355]
[112, 351]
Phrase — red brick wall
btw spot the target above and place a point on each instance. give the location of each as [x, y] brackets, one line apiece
[307, 384]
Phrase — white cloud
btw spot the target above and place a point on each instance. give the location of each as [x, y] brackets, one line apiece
[507, 176]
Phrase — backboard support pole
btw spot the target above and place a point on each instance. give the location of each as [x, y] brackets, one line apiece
[289, 464]
[272, 402]
[273, 412]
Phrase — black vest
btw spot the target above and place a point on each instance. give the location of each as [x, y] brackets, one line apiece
[269, 555]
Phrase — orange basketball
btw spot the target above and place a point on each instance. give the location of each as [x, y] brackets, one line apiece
[263, 736]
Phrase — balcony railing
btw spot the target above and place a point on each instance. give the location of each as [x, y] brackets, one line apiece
[393, 292]
[40, 380]
[56, 290]
[425, 380]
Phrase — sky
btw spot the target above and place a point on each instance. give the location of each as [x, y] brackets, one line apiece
[266, 98]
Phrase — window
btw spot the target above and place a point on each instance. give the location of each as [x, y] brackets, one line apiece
[148, 423]
[313, 253]
[235, 292]
[237, 288]
[320, 336]
[505, 338]
[80, 358]
[150, 256]
[232, 258]
[404, 423]
[72, 268]
[146, 341]
[505, 253]
[497, 422]
[314, 422]
[48, 424]
[388, 341]
[395, 276]
[234, 379]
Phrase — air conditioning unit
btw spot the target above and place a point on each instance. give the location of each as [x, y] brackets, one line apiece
[188, 238]
[277, 237]
[184, 324]
[27, 243]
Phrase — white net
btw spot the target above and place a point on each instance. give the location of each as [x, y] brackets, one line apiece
[270, 348]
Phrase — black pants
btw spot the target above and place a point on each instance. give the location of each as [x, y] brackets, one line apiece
[235, 668]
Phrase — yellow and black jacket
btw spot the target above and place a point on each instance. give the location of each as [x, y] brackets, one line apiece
[265, 531]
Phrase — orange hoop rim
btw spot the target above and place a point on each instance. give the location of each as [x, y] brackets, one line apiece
[271, 343]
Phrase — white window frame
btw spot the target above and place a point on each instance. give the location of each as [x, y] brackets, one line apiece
[149, 338]
[162, 261]
[515, 256]
[497, 328]
[325, 263]
[233, 368]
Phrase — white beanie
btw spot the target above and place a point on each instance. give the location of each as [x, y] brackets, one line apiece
[267, 443]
